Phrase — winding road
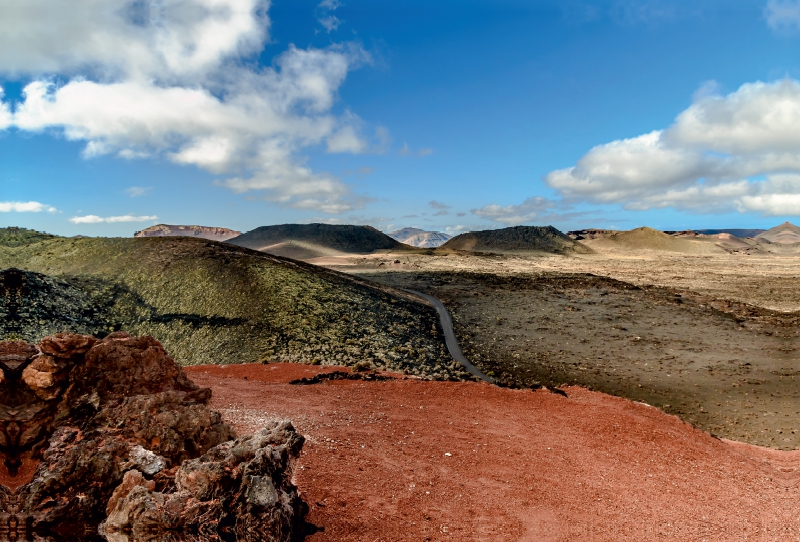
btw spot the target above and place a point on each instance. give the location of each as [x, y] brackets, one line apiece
[450, 336]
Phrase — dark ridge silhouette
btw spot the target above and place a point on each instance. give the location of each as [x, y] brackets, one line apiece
[342, 238]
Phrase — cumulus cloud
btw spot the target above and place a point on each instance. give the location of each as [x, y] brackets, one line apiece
[94, 219]
[529, 210]
[723, 153]
[25, 207]
[783, 14]
[438, 204]
[464, 228]
[173, 79]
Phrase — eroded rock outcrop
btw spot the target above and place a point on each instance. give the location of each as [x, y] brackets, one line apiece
[99, 423]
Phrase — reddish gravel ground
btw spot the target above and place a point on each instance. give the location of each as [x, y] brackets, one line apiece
[417, 460]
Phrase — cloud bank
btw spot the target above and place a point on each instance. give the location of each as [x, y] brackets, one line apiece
[25, 207]
[736, 152]
[177, 79]
[94, 219]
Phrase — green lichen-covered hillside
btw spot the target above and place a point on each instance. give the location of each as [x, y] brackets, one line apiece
[210, 302]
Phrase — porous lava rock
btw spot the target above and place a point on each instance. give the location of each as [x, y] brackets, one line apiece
[100, 421]
[238, 490]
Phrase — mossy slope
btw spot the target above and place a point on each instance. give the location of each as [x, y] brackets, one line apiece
[210, 302]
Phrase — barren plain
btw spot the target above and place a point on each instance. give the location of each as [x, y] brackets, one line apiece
[710, 336]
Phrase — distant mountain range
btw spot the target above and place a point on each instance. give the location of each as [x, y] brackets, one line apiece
[736, 232]
[416, 237]
[203, 232]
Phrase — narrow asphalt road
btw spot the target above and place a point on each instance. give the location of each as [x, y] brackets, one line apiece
[450, 337]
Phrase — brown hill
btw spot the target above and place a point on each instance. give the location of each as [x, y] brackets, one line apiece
[203, 232]
[645, 238]
[785, 234]
[516, 239]
[305, 241]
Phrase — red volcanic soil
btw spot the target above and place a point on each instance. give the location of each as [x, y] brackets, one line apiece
[417, 460]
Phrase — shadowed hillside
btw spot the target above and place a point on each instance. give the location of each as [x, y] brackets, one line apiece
[516, 239]
[210, 302]
[314, 240]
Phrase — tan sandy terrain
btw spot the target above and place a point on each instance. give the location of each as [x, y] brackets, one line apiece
[415, 460]
[765, 279]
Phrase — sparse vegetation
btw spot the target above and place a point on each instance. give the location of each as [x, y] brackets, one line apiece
[210, 302]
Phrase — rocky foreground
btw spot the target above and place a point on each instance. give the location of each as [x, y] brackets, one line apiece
[109, 440]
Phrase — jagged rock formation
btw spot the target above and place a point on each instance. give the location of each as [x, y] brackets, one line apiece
[516, 239]
[85, 424]
[416, 237]
[203, 232]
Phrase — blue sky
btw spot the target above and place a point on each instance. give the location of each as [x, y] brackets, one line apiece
[443, 115]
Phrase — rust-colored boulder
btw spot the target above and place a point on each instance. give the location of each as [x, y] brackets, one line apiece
[115, 420]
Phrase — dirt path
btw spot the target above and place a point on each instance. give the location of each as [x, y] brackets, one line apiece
[450, 336]
[416, 460]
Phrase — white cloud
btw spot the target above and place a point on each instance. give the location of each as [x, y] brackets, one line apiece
[165, 78]
[722, 153]
[6, 119]
[438, 204]
[328, 20]
[346, 140]
[138, 191]
[25, 207]
[94, 219]
[464, 228]
[783, 14]
[528, 211]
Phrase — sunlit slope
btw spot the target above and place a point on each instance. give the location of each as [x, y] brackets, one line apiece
[516, 239]
[211, 302]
